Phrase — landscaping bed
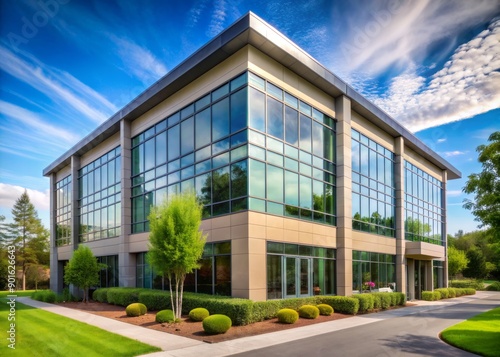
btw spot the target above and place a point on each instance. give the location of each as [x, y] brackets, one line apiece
[190, 329]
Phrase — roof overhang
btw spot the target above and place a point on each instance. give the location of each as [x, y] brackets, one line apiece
[250, 30]
[424, 251]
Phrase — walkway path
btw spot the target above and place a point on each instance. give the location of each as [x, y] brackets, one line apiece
[184, 347]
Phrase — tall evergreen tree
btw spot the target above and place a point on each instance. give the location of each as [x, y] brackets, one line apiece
[27, 235]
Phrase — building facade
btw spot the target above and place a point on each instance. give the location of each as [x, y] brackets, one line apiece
[307, 187]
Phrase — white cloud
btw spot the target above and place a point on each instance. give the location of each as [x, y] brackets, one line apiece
[453, 153]
[454, 193]
[398, 33]
[57, 85]
[467, 85]
[442, 140]
[10, 193]
[218, 17]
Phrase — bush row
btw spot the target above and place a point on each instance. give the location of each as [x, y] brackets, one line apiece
[45, 296]
[467, 283]
[445, 293]
[243, 311]
[372, 301]
[494, 286]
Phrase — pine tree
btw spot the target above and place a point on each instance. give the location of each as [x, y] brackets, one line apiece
[27, 234]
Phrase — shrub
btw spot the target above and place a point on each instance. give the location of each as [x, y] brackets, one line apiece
[459, 292]
[198, 314]
[288, 316]
[136, 309]
[377, 303]
[401, 298]
[495, 286]
[467, 283]
[308, 311]
[123, 296]
[431, 295]
[100, 295]
[342, 304]
[394, 299]
[216, 324]
[165, 316]
[470, 291]
[452, 293]
[385, 299]
[366, 302]
[45, 296]
[265, 310]
[296, 303]
[155, 299]
[445, 294]
[325, 310]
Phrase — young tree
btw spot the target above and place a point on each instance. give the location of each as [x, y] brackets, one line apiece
[457, 261]
[82, 270]
[27, 234]
[476, 268]
[486, 186]
[176, 242]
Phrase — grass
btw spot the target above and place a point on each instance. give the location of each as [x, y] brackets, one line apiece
[42, 333]
[479, 334]
[3, 294]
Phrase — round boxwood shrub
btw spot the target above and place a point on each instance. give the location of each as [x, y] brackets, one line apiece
[216, 324]
[165, 316]
[198, 314]
[288, 316]
[308, 311]
[325, 310]
[136, 309]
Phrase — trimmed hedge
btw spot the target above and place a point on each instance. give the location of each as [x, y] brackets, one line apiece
[308, 311]
[136, 309]
[265, 310]
[384, 298]
[366, 302]
[431, 295]
[216, 324]
[495, 286]
[45, 296]
[198, 314]
[325, 310]
[467, 283]
[445, 294]
[287, 316]
[100, 295]
[123, 296]
[155, 300]
[342, 304]
[165, 316]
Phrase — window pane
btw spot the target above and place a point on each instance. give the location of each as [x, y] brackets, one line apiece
[187, 136]
[220, 119]
[239, 110]
[257, 110]
[257, 182]
[291, 188]
[274, 277]
[274, 183]
[222, 270]
[305, 133]
[203, 128]
[239, 179]
[305, 192]
[291, 126]
[274, 118]
[220, 184]
[318, 139]
[173, 142]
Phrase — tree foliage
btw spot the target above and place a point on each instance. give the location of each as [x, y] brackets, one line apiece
[457, 261]
[176, 242]
[82, 270]
[486, 186]
[476, 267]
[28, 235]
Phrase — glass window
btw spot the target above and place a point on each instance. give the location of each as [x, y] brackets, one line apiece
[291, 126]
[187, 136]
[305, 133]
[257, 183]
[220, 184]
[305, 192]
[203, 128]
[239, 179]
[173, 143]
[274, 179]
[239, 110]
[274, 118]
[161, 148]
[220, 119]
[291, 188]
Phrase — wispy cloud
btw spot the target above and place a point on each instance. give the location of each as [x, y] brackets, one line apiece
[57, 85]
[467, 85]
[442, 140]
[453, 153]
[10, 193]
[454, 193]
[218, 18]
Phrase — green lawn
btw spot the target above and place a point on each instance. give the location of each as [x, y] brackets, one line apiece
[41, 333]
[479, 334]
[3, 294]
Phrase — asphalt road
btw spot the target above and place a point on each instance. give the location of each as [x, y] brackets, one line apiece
[412, 335]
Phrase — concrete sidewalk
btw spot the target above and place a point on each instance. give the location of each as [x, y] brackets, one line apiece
[180, 346]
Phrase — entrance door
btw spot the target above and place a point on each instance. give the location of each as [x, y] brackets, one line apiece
[419, 278]
[298, 277]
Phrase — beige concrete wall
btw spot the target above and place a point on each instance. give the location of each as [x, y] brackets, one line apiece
[262, 65]
[373, 243]
[370, 130]
[101, 149]
[422, 163]
[218, 75]
[63, 173]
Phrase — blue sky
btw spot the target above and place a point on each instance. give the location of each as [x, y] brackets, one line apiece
[68, 65]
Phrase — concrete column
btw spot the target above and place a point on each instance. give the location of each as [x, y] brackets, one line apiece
[429, 281]
[411, 276]
[56, 273]
[126, 261]
[75, 226]
[344, 196]
[445, 229]
[399, 180]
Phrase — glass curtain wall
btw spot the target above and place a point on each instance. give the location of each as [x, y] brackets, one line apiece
[292, 155]
[438, 272]
[377, 268]
[373, 187]
[108, 276]
[423, 206]
[63, 211]
[99, 201]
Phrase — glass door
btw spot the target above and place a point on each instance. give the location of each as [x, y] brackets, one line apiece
[419, 278]
[297, 278]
